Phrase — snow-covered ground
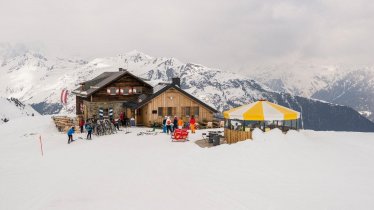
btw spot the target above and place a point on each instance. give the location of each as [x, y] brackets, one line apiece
[300, 170]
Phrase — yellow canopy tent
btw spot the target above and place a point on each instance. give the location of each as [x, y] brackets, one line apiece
[261, 111]
[240, 121]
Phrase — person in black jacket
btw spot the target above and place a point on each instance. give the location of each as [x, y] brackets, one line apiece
[175, 123]
[164, 125]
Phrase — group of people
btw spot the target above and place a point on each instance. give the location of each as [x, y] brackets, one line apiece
[86, 125]
[170, 126]
[126, 121]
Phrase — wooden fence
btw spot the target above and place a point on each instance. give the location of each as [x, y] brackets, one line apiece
[64, 123]
[233, 136]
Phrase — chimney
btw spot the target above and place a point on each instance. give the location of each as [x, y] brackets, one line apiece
[122, 69]
[82, 86]
[176, 81]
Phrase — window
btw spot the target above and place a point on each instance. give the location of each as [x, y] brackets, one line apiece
[195, 111]
[112, 91]
[160, 111]
[137, 90]
[131, 90]
[154, 111]
[170, 111]
[126, 91]
[186, 111]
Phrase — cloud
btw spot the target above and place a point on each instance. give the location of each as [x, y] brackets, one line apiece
[233, 35]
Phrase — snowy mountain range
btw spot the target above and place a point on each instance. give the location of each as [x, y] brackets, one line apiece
[344, 85]
[35, 79]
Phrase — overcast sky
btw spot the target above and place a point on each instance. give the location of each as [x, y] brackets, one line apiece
[224, 34]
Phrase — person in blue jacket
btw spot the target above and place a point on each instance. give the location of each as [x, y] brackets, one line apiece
[89, 131]
[70, 134]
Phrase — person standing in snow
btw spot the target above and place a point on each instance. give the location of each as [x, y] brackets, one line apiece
[122, 118]
[164, 125]
[168, 125]
[89, 131]
[192, 124]
[175, 123]
[132, 121]
[81, 124]
[116, 123]
[180, 123]
[70, 134]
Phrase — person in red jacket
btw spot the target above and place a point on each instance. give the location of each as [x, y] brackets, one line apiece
[122, 118]
[81, 124]
[192, 124]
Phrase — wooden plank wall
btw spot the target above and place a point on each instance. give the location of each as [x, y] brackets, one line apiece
[233, 136]
[174, 98]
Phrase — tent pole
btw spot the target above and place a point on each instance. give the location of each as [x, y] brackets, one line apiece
[296, 125]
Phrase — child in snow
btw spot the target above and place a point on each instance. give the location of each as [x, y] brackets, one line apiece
[89, 131]
[70, 134]
[168, 125]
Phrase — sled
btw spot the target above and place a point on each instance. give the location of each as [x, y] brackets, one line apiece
[179, 135]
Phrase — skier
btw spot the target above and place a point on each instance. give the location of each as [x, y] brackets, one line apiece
[89, 131]
[81, 124]
[192, 124]
[164, 125]
[175, 123]
[168, 125]
[70, 134]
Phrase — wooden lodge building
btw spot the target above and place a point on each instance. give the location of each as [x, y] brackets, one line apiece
[111, 93]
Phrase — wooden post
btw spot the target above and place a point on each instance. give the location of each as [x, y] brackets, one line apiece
[41, 145]
[291, 124]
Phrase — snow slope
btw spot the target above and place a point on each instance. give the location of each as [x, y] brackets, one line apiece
[300, 170]
[12, 108]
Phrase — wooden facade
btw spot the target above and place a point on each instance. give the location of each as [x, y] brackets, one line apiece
[173, 103]
[127, 81]
[136, 98]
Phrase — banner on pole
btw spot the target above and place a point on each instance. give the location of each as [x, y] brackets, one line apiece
[64, 96]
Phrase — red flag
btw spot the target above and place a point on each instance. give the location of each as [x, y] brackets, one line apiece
[64, 96]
